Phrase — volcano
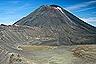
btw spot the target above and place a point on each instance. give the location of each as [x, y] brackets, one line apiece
[59, 24]
[44, 37]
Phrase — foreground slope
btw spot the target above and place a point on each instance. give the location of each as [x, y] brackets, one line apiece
[58, 23]
[81, 54]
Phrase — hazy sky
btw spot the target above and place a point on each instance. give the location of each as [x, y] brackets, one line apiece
[13, 10]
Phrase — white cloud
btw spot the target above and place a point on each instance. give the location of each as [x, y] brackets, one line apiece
[91, 19]
[14, 10]
[85, 9]
[78, 6]
[15, 1]
[25, 6]
[9, 12]
[3, 18]
[5, 21]
[94, 12]
[1, 23]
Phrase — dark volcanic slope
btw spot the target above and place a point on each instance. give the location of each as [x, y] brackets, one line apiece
[52, 15]
[59, 23]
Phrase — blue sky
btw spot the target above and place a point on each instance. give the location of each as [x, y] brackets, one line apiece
[13, 10]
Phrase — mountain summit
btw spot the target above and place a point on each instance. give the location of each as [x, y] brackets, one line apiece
[60, 24]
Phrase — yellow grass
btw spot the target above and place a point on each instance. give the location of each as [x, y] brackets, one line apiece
[37, 48]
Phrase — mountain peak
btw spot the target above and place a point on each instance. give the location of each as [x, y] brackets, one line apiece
[55, 5]
[59, 24]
